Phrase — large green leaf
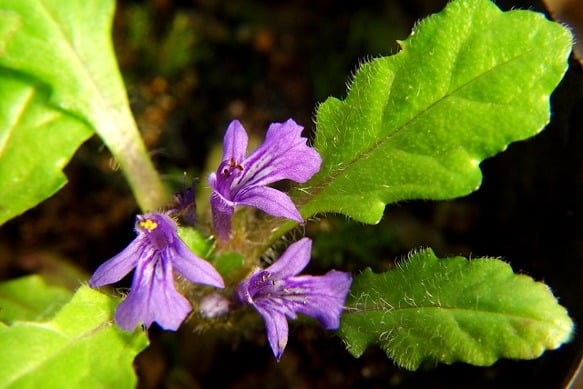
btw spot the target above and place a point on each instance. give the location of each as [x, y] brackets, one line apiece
[79, 348]
[416, 125]
[30, 298]
[67, 47]
[449, 310]
[36, 142]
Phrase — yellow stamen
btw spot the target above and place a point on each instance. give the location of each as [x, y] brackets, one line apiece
[148, 224]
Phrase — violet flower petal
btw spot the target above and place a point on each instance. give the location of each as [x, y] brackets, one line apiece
[213, 306]
[283, 155]
[269, 200]
[323, 296]
[235, 142]
[194, 268]
[119, 266]
[152, 298]
[222, 211]
[277, 329]
[293, 260]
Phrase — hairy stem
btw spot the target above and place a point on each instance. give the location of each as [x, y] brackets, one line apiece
[119, 131]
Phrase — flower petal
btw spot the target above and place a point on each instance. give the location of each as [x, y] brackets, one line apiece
[235, 142]
[283, 155]
[222, 211]
[324, 296]
[277, 329]
[192, 267]
[117, 267]
[293, 260]
[270, 201]
[152, 298]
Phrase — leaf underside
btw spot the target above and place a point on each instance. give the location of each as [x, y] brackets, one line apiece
[452, 310]
[416, 125]
[36, 142]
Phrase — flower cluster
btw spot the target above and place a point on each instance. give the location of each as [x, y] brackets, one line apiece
[277, 292]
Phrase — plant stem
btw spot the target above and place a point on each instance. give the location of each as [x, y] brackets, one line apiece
[120, 133]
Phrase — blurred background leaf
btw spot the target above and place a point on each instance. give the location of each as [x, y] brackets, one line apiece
[30, 298]
[79, 347]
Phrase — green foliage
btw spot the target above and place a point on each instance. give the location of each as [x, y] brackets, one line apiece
[78, 348]
[416, 125]
[228, 262]
[197, 242]
[30, 298]
[79, 63]
[450, 310]
[66, 48]
[36, 142]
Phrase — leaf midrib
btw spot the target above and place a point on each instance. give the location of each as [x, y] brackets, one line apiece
[87, 75]
[356, 311]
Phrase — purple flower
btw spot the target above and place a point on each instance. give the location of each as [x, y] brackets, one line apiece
[276, 292]
[241, 180]
[185, 203]
[155, 253]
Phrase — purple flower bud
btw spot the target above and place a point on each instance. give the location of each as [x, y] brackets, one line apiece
[155, 253]
[242, 180]
[185, 203]
[214, 305]
[277, 292]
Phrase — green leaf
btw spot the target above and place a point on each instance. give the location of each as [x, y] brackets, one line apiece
[9, 24]
[196, 241]
[36, 142]
[67, 47]
[228, 262]
[30, 298]
[79, 348]
[450, 310]
[416, 125]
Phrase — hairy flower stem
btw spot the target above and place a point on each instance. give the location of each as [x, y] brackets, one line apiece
[120, 133]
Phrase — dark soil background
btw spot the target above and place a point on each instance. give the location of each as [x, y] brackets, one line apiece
[191, 67]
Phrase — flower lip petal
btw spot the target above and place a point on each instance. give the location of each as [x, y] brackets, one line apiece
[269, 200]
[283, 155]
[193, 268]
[152, 298]
[277, 329]
[325, 296]
[120, 265]
[293, 260]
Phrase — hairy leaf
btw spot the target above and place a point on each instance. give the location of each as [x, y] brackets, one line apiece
[416, 125]
[449, 310]
[30, 298]
[66, 46]
[79, 348]
[36, 142]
